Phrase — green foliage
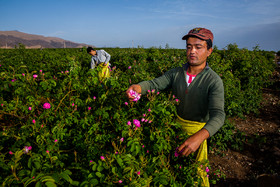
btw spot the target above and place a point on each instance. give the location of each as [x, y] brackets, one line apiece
[244, 74]
[83, 139]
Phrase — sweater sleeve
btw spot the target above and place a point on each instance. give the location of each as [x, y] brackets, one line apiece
[160, 83]
[107, 55]
[215, 107]
[92, 63]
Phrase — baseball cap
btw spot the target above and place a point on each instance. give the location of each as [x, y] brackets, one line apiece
[201, 33]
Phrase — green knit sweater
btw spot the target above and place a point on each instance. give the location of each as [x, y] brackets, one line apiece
[201, 101]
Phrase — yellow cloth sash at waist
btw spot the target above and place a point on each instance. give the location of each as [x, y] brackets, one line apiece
[192, 127]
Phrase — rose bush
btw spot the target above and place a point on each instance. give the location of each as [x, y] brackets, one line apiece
[62, 126]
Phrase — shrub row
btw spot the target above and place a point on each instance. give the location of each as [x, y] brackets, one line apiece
[62, 126]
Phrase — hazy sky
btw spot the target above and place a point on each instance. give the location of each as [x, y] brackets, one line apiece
[147, 23]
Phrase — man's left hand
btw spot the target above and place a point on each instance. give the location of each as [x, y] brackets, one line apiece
[193, 142]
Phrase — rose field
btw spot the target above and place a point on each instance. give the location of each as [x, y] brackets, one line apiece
[62, 126]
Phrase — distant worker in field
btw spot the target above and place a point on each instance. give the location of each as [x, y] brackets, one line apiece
[100, 58]
[201, 94]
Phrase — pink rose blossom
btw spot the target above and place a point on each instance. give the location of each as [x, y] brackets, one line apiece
[47, 106]
[129, 67]
[27, 149]
[102, 158]
[138, 173]
[90, 161]
[135, 95]
[47, 151]
[41, 70]
[126, 103]
[23, 74]
[34, 121]
[136, 123]
[29, 108]
[149, 110]
[129, 123]
[94, 97]
[120, 181]
[121, 139]
[89, 108]
[73, 104]
[35, 76]
[207, 170]
[10, 152]
[55, 140]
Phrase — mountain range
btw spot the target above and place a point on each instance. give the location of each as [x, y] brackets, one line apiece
[10, 39]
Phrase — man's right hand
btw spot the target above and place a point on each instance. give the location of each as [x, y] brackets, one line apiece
[134, 87]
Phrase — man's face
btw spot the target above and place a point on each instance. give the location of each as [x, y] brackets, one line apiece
[197, 51]
[92, 53]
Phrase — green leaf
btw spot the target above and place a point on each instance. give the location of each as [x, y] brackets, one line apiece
[25, 179]
[100, 168]
[67, 172]
[39, 176]
[127, 169]
[50, 184]
[98, 174]
[75, 183]
[37, 165]
[114, 170]
[29, 181]
[33, 172]
[66, 177]
[29, 162]
[119, 160]
[39, 184]
[47, 179]
[94, 167]
[94, 182]
[138, 148]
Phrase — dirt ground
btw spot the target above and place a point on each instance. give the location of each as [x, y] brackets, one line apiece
[258, 164]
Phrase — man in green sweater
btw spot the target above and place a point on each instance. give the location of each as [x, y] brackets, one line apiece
[199, 89]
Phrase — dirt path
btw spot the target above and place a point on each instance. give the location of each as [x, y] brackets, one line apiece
[258, 164]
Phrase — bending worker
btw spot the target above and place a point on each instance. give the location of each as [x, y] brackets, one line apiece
[98, 57]
[101, 58]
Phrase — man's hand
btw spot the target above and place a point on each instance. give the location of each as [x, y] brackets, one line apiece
[193, 142]
[134, 87]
